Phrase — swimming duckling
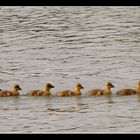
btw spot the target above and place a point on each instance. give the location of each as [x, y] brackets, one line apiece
[129, 91]
[76, 91]
[46, 91]
[106, 91]
[13, 92]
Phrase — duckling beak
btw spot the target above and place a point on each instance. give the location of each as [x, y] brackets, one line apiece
[52, 86]
[112, 86]
[81, 87]
[19, 88]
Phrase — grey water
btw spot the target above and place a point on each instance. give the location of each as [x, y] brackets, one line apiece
[63, 45]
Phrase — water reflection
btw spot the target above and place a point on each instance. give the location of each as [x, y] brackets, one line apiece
[48, 101]
[109, 99]
[60, 45]
[75, 107]
[138, 97]
[78, 103]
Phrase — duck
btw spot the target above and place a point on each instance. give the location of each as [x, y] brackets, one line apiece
[129, 91]
[106, 91]
[13, 92]
[78, 87]
[37, 92]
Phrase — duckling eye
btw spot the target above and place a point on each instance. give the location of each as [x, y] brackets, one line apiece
[109, 84]
[50, 85]
[16, 86]
[80, 86]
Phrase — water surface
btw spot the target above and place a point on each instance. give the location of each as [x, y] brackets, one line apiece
[64, 45]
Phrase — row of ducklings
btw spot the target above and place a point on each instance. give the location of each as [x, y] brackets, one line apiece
[77, 91]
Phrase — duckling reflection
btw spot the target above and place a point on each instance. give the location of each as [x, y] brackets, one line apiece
[129, 91]
[109, 98]
[37, 92]
[106, 91]
[76, 107]
[76, 91]
[138, 96]
[13, 92]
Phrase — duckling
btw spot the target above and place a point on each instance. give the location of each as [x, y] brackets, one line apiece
[76, 91]
[129, 91]
[37, 92]
[106, 91]
[13, 92]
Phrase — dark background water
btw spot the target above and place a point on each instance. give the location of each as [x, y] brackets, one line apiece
[64, 45]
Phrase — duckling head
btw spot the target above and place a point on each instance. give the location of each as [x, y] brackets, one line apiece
[109, 84]
[79, 86]
[17, 87]
[49, 86]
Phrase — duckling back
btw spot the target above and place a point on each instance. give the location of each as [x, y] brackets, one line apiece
[34, 93]
[4, 93]
[94, 92]
[65, 93]
[126, 92]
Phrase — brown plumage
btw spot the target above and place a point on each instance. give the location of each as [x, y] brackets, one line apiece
[76, 91]
[12, 92]
[107, 90]
[37, 92]
[129, 91]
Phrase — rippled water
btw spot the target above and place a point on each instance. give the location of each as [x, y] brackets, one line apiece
[64, 45]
